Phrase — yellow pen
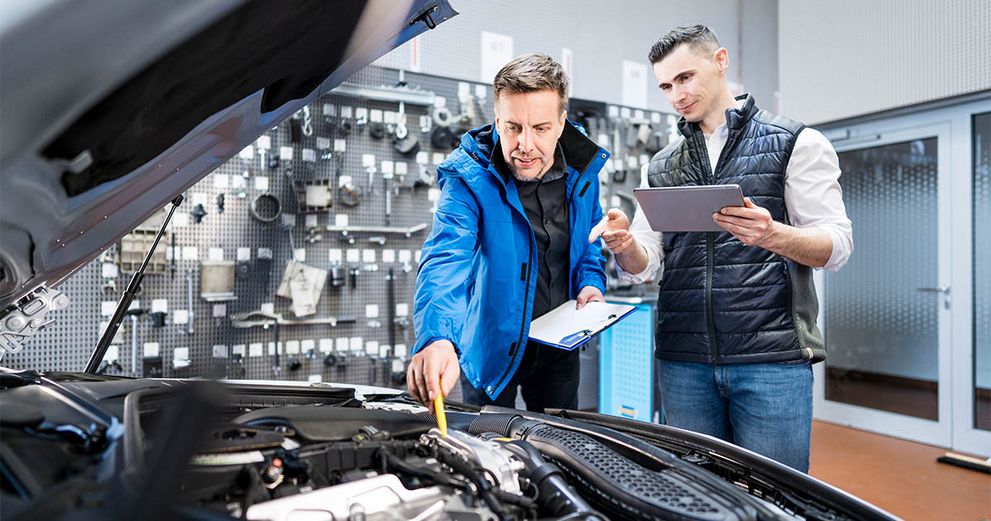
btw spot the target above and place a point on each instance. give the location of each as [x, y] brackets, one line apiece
[439, 409]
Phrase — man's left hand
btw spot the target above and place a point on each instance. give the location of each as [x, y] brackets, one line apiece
[751, 224]
[589, 294]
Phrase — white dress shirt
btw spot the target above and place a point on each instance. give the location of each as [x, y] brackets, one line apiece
[813, 198]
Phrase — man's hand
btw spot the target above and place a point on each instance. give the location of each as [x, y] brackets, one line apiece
[589, 294]
[751, 224]
[614, 228]
[435, 362]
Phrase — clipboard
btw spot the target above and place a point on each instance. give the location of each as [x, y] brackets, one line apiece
[565, 327]
[686, 208]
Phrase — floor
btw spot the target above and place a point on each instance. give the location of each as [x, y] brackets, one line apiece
[899, 476]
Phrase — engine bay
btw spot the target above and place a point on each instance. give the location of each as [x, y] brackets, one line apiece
[205, 450]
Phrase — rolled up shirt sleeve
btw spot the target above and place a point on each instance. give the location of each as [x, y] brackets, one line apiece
[649, 240]
[813, 195]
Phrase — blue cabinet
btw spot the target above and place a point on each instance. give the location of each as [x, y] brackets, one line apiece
[626, 367]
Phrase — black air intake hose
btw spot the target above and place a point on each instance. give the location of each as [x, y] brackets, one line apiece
[619, 486]
[555, 496]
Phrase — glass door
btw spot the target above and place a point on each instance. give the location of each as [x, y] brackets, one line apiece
[887, 315]
[972, 368]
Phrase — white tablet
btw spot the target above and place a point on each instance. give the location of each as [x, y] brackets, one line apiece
[686, 208]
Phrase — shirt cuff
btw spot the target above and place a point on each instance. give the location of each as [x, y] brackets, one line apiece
[637, 278]
[839, 255]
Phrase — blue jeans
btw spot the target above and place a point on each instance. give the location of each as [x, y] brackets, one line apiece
[766, 408]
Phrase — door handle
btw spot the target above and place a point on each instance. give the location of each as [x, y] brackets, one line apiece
[945, 290]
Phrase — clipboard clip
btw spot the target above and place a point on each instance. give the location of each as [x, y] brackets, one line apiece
[579, 336]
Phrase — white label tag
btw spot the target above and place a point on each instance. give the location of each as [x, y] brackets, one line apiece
[261, 183]
[371, 311]
[109, 270]
[263, 142]
[323, 143]
[180, 317]
[159, 305]
[285, 153]
[309, 155]
[151, 349]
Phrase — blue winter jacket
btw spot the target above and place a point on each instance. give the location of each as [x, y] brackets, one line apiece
[475, 284]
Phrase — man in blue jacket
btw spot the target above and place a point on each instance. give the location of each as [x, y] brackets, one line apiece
[508, 244]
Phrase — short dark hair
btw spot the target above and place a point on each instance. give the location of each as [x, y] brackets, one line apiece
[532, 73]
[699, 37]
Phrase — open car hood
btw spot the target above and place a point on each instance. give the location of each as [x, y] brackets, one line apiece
[111, 108]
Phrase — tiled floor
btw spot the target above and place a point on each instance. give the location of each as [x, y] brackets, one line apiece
[899, 476]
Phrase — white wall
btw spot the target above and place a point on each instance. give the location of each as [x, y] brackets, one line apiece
[846, 58]
[601, 34]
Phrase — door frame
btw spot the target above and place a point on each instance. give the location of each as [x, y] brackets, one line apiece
[952, 124]
[871, 135]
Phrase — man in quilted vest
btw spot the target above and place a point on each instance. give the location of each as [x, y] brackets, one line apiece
[736, 334]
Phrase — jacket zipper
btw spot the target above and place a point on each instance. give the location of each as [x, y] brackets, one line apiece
[524, 275]
[526, 269]
[710, 247]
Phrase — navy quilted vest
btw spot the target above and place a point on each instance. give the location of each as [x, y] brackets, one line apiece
[721, 301]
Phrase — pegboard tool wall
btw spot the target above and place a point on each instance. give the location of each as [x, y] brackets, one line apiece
[361, 351]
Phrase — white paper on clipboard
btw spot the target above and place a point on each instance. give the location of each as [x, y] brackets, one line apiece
[565, 327]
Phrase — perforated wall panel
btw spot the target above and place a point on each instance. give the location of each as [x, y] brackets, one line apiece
[361, 351]
[846, 58]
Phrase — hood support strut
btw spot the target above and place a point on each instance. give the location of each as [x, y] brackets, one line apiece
[125, 300]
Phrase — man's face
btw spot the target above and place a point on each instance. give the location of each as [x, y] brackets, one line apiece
[529, 126]
[693, 80]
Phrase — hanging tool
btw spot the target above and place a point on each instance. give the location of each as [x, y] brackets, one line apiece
[264, 319]
[133, 314]
[276, 363]
[390, 279]
[388, 200]
[172, 265]
[189, 301]
[370, 188]
[405, 143]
